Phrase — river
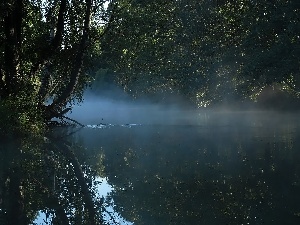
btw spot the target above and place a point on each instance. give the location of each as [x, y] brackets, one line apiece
[229, 168]
[218, 168]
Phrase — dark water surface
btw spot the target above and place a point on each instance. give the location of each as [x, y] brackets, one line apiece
[218, 168]
[234, 168]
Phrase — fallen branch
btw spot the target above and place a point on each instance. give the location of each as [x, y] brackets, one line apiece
[74, 121]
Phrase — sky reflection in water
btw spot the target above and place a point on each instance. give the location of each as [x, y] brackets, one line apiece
[228, 168]
[110, 216]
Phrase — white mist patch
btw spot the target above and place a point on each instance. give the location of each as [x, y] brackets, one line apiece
[114, 109]
[97, 112]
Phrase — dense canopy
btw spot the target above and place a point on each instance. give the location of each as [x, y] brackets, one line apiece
[208, 51]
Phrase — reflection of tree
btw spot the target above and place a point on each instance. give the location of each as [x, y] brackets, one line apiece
[230, 177]
[46, 175]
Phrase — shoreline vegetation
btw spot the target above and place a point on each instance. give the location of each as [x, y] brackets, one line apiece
[209, 53]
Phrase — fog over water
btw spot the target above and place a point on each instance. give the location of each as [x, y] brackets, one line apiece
[121, 109]
[118, 108]
[223, 165]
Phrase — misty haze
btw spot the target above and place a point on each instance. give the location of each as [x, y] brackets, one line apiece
[135, 112]
[173, 163]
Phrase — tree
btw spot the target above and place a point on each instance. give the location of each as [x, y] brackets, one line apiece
[261, 40]
[137, 46]
[46, 51]
[209, 51]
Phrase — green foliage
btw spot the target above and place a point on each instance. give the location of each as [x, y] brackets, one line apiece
[209, 51]
[138, 43]
[20, 116]
[47, 50]
[264, 43]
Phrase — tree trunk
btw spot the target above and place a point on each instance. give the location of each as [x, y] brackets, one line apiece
[61, 101]
[12, 29]
[49, 50]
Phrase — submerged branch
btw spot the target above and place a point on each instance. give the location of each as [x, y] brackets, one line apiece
[74, 121]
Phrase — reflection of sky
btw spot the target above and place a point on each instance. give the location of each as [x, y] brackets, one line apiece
[110, 216]
[41, 219]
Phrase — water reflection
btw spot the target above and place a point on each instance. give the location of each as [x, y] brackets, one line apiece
[238, 169]
[103, 191]
[235, 169]
[109, 214]
[52, 181]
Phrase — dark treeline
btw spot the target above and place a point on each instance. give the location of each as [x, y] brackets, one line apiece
[208, 51]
